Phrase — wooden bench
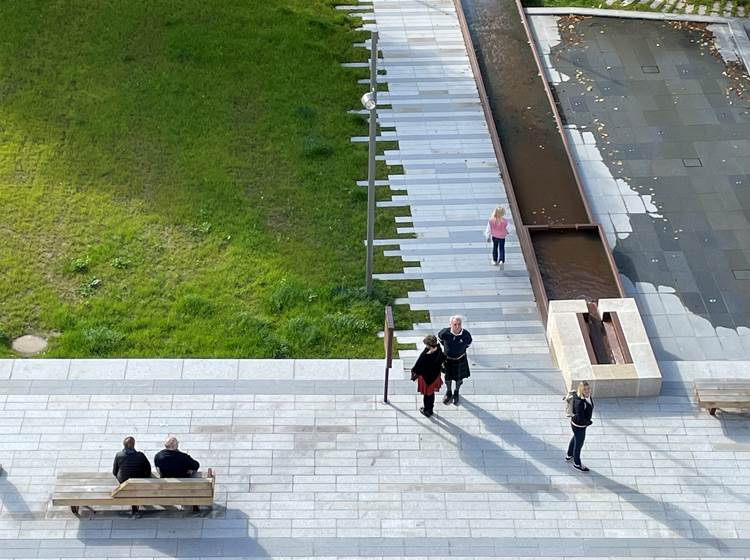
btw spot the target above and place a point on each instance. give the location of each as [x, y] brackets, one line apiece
[102, 489]
[723, 394]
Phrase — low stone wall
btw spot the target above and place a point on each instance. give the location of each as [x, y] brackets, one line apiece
[641, 378]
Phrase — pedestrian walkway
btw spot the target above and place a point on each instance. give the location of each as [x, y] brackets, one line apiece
[450, 182]
[315, 475]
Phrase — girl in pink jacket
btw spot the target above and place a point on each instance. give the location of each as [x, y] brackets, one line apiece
[496, 231]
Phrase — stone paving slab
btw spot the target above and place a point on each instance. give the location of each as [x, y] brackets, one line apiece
[343, 475]
[147, 370]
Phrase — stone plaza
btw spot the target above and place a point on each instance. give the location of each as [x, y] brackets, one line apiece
[310, 462]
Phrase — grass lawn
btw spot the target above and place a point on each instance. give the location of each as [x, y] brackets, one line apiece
[176, 179]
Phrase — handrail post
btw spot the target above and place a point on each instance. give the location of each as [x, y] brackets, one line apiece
[388, 343]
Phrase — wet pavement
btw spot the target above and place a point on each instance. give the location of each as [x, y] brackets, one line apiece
[661, 136]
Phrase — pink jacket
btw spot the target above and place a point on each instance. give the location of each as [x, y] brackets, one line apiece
[497, 229]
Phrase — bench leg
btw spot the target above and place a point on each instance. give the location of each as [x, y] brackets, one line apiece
[74, 509]
[712, 411]
[196, 509]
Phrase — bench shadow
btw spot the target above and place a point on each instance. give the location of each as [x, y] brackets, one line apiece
[735, 426]
[665, 513]
[170, 532]
[12, 500]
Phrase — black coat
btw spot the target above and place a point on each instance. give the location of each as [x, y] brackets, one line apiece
[130, 463]
[582, 411]
[428, 365]
[174, 463]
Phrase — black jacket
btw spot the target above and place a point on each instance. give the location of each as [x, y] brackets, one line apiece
[428, 365]
[454, 345]
[582, 411]
[130, 463]
[174, 463]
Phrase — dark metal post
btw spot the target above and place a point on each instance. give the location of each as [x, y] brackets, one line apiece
[388, 342]
[371, 160]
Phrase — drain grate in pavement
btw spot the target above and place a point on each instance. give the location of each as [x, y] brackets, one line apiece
[650, 69]
[692, 162]
[741, 274]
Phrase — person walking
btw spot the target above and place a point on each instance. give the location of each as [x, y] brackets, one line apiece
[496, 231]
[583, 407]
[456, 341]
[426, 372]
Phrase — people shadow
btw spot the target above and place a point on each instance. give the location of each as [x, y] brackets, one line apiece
[170, 532]
[664, 513]
[13, 503]
[491, 460]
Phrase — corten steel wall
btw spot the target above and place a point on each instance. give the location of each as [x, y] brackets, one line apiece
[525, 231]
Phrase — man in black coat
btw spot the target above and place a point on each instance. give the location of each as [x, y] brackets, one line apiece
[173, 463]
[130, 463]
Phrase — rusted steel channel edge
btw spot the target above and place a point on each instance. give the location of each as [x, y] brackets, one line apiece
[524, 235]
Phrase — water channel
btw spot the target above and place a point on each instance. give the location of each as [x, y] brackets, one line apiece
[573, 262]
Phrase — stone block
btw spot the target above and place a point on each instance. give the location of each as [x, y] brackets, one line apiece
[266, 369]
[148, 369]
[210, 369]
[568, 346]
[97, 369]
[40, 369]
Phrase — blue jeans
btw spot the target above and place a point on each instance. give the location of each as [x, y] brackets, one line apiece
[498, 249]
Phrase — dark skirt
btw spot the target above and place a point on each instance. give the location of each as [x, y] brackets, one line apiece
[455, 370]
[426, 389]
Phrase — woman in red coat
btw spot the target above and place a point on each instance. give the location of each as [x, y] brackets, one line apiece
[426, 372]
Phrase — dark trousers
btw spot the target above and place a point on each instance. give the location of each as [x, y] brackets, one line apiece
[576, 443]
[429, 402]
[498, 249]
[449, 385]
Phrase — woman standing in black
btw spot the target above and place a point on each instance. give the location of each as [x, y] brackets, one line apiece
[583, 408]
[426, 372]
[456, 342]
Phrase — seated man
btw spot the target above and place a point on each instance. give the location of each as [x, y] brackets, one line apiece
[130, 463]
[173, 463]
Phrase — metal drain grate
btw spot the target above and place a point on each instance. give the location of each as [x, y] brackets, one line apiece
[650, 69]
[692, 162]
[741, 274]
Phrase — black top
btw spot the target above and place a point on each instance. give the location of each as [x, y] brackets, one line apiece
[582, 411]
[130, 463]
[454, 344]
[428, 365]
[174, 463]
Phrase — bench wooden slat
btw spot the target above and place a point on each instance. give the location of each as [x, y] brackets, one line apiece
[723, 393]
[109, 501]
[102, 489]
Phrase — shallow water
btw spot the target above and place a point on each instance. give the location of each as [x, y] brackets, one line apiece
[539, 168]
[574, 265]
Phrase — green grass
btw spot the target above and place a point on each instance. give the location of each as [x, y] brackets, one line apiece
[176, 179]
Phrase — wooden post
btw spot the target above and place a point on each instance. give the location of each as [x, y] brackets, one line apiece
[388, 342]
